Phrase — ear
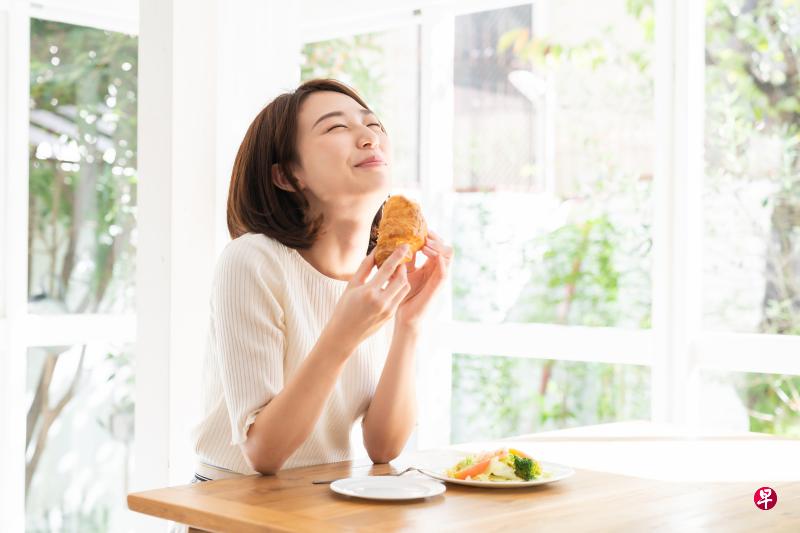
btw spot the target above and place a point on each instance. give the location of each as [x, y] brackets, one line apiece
[281, 181]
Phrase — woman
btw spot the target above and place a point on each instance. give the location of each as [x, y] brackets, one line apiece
[302, 341]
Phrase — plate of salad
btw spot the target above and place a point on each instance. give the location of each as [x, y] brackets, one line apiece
[504, 468]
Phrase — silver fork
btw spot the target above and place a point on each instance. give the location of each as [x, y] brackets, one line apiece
[326, 481]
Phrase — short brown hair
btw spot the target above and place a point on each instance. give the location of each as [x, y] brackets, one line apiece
[255, 203]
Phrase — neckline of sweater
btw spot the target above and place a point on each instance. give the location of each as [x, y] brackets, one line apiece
[339, 283]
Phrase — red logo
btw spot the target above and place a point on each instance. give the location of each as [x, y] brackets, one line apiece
[765, 498]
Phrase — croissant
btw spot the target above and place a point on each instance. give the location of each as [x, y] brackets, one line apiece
[401, 223]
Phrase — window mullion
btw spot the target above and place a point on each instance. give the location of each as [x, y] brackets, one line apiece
[63, 330]
[121, 17]
[734, 352]
[434, 365]
[554, 341]
[677, 230]
[322, 29]
[14, 66]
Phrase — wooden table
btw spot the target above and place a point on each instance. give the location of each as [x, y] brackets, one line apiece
[629, 477]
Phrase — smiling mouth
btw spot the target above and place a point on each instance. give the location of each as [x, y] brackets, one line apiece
[372, 164]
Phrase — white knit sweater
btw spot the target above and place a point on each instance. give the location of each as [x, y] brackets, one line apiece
[268, 308]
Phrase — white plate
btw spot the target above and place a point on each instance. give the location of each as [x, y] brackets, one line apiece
[387, 488]
[551, 472]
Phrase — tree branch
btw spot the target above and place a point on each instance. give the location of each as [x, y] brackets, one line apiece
[41, 397]
[49, 416]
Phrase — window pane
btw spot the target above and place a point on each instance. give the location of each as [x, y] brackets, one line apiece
[767, 403]
[384, 68]
[751, 268]
[80, 433]
[495, 124]
[82, 225]
[495, 397]
[571, 246]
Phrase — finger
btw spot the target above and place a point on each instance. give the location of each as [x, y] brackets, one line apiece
[418, 276]
[362, 273]
[422, 274]
[397, 283]
[399, 286]
[436, 279]
[440, 247]
[435, 235]
[400, 296]
[429, 252]
[431, 265]
[430, 255]
[389, 265]
[447, 254]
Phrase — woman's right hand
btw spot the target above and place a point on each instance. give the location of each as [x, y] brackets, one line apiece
[365, 306]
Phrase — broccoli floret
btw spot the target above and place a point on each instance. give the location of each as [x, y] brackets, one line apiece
[526, 468]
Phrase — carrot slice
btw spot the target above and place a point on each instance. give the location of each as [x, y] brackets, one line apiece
[473, 470]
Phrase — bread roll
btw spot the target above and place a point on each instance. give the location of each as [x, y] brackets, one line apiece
[401, 223]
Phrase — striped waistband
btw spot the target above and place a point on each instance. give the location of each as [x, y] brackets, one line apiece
[209, 472]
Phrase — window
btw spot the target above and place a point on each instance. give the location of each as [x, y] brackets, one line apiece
[553, 165]
[82, 170]
[80, 432]
[495, 125]
[81, 267]
[751, 198]
[751, 204]
[496, 397]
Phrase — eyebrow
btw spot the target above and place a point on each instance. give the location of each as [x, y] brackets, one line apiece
[364, 112]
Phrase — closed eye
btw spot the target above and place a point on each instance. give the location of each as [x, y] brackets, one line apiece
[343, 126]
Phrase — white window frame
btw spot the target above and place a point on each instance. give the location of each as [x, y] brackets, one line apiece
[119, 16]
[20, 330]
[14, 186]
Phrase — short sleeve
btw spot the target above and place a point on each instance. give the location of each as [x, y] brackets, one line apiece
[250, 340]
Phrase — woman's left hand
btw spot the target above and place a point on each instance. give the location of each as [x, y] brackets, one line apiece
[425, 281]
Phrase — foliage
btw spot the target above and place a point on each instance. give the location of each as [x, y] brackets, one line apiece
[577, 279]
[591, 269]
[118, 413]
[351, 60]
[752, 86]
[88, 445]
[82, 198]
[82, 175]
[494, 397]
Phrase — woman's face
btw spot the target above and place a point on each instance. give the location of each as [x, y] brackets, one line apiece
[345, 154]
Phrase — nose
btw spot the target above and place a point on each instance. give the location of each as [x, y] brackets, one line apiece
[368, 138]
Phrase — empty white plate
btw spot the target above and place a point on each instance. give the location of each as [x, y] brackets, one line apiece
[387, 488]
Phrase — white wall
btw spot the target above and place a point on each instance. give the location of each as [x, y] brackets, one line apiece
[258, 57]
